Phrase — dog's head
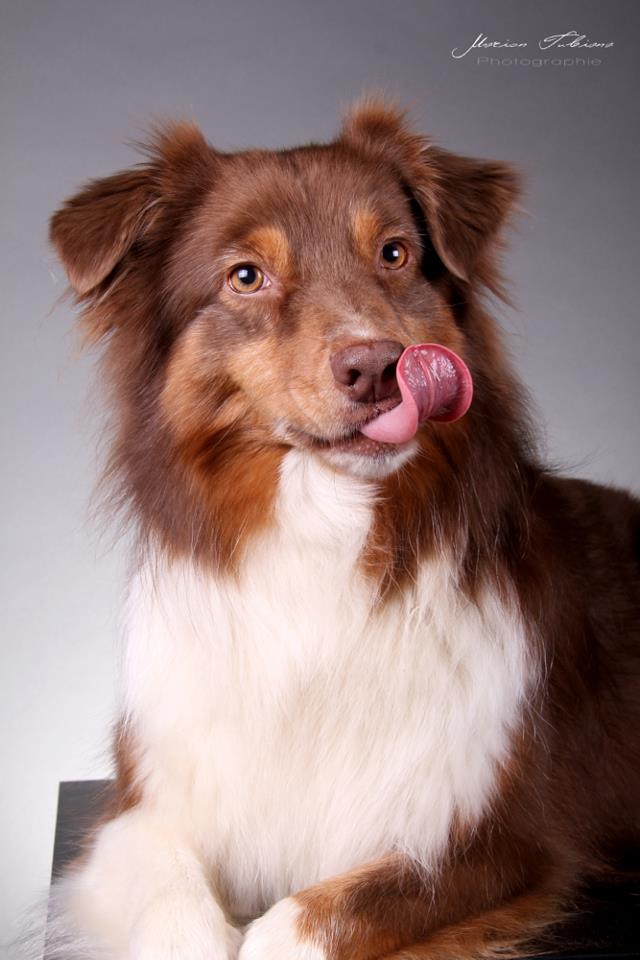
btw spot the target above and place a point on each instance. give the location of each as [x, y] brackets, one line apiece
[268, 295]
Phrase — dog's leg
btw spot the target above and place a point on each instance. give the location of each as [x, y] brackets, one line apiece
[494, 935]
[393, 909]
[140, 893]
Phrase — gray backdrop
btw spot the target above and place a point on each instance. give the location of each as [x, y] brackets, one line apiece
[78, 78]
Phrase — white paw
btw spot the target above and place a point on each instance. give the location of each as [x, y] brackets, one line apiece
[180, 926]
[275, 936]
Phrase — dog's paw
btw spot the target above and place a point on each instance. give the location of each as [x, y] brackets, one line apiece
[275, 936]
[180, 926]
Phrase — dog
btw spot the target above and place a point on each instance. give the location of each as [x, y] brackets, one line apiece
[381, 668]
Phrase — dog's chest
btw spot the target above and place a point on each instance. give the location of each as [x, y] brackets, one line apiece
[298, 729]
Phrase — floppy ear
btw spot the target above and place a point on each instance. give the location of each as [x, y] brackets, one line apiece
[94, 230]
[465, 202]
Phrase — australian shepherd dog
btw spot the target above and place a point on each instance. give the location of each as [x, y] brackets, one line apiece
[381, 668]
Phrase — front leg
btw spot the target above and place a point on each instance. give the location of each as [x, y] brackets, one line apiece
[140, 893]
[468, 907]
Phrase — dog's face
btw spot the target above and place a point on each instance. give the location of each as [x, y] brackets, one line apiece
[306, 269]
[285, 285]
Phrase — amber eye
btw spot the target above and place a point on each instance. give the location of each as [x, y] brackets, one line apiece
[394, 255]
[247, 279]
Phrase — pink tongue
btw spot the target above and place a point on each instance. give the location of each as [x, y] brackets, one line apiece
[435, 384]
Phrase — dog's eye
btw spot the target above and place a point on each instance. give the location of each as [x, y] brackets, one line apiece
[247, 279]
[394, 255]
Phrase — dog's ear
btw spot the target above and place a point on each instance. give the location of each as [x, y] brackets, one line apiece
[465, 202]
[94, 230]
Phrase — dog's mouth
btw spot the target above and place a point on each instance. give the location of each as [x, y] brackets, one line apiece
[434, 384]
[348, 436]
[354, 442]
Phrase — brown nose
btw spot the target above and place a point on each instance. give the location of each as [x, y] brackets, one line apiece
[366, 371]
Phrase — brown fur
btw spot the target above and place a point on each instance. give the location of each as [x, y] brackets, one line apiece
[198, 377]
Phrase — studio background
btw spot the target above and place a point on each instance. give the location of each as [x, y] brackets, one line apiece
[79, 77]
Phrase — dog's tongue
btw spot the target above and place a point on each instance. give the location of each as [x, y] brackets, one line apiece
[435, 384]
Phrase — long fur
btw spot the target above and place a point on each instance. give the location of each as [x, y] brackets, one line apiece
[374, 702]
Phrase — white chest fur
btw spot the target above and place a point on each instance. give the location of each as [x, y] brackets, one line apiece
[293, 730]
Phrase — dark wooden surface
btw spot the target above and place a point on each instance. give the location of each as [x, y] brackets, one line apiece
[607, 925]
[79, 805]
